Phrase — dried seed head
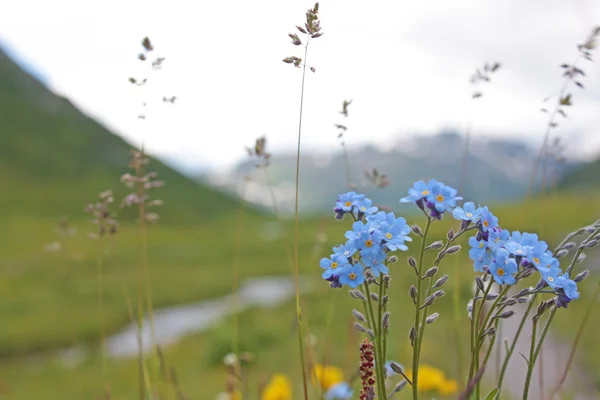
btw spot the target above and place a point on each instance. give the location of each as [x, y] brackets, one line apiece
[432, 318]
[440, 282]
[582, 276]
[358, 315]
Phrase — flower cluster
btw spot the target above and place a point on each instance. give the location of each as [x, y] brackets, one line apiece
[433, 196]
[504, 254]
[374, 234]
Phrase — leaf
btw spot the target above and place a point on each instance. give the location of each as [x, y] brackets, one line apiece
[579, 84]
[566, 101]
[493, 394]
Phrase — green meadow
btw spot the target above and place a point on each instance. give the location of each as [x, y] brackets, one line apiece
[50, 299]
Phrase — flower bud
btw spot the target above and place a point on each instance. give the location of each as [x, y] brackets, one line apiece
[358, 315]
[450, 234]
[440, 282]
[417, 229]
[430, 273]
[570, 245]
[393, 259]
[412, 262]
[385, 320]
[374, 297]
[479, 283]
[371, 333]
[428, 301]
[412, 293]
[431, 319]
[591, 243]
[581, 276]
[581, 257]
[561, 253]
[453, 249]
[359, 327]
[507, 314]
[435, 245]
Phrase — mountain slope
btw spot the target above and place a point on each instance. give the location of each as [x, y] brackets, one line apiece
[54, 159]
[585, 177]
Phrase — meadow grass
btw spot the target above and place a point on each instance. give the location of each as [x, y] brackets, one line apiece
[50, 300]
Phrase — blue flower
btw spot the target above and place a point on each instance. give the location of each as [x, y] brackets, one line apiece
[353, 275]
[568, 286]
[419, 191]
[525, 239]
[539, 255]
[442, 197]
[347, 250]
[551, 272]
[348, 200]
[503, 268]
[467, 212]
[339, 391]
[480, 253]
[488, 220]
[333, 266]
[498, 238]
[376, 263]
[395, 232]
[365, 206]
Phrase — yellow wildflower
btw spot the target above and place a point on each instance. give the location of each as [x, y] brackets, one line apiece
[278, 388]
[448, 387]
[433, 379]
[326, 375]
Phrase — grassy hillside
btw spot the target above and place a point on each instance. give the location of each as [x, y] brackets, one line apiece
[583, 177]
[54, 159]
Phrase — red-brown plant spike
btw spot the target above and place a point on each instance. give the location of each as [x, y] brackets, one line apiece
[367, 375]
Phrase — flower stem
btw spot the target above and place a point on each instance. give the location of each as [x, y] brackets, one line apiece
[380, 340]
[375, 326]
[531, 361]
[514, 344]
[418, 341]
[296, 221]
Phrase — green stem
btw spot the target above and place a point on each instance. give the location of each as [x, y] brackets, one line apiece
[531, 361]
[514, 343]
[381, 361]
[296, 222]
[375, 326]
[385, 330]
[476, 333]
[417, 342]
[458, 321]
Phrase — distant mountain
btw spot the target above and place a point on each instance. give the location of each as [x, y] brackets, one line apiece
[496, 170]
[583, 177]
[54, 159]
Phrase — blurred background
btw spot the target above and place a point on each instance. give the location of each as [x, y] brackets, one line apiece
[445, 90]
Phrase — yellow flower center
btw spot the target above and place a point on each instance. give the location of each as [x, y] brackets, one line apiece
[348, 203]
[352, 275]
[363, 208]
[334, 265]
[500, 272]
[469, 215]
[439, 198]
[481, 245]
[369, 243]
[486, 224]
[536, 260]
[550, 279]
[388, 235]
[425, 192]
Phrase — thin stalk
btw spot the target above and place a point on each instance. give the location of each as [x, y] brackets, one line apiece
[378, 365]
[514, 344]
[296, 222]
[417, 342]
[531, 361]
[475, 334]
[236, 271]
[100, 265]
[458, 321]
[140, 301]
[385, 333]
[381, 361]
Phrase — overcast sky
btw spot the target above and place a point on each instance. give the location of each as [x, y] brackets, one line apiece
[406, 64]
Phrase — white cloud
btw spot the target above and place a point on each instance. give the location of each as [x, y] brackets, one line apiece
[406, 64]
